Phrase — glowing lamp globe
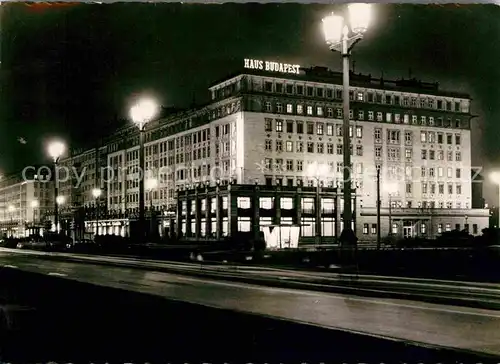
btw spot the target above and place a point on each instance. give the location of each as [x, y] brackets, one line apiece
[360, 16]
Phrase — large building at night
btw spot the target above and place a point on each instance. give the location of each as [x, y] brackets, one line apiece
[269, 127]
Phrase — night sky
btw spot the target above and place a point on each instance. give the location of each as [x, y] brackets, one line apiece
[73, 71]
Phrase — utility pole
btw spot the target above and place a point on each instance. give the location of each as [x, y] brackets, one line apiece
[378, 208]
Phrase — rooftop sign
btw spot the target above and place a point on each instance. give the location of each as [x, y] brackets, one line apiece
[257, 64]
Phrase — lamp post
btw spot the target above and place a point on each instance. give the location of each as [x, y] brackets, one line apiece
[495, 178]
[11, 209]
[317, 171]
[96, 193]
[338, 39]
[141, 114]
[59, 201]
[56, 150]
[391, 188]
[34, 206]
[151, 185]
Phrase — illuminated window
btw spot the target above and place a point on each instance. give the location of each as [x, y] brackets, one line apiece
[300, 109]
[359, 132]
[244, 224]
[319, 128]
[289, 146]
[266, 203]
[243, 202]
[289, 108]
[279, 126]
[286, 203]
[360, 96]
[319, 111]
[370, 115]
[309, 110]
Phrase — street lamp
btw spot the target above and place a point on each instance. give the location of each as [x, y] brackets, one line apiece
[391, 188]
[338, 39]
[151, 185]
[56, 150]
[318, 172]
[96, 193]
[495, 178]
[11, 209]
[34, 206]
[141, 114]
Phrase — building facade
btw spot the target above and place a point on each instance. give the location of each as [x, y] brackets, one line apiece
[275, 129]
[24, 203]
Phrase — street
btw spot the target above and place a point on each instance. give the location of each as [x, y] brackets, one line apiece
[408, 321]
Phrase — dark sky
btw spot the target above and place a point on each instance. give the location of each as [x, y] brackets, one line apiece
[71, 71]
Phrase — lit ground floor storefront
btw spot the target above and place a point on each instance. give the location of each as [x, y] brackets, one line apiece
[418, 222]
[291, 215]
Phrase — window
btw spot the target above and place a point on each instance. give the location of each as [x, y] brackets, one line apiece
[374, 229]
[359, 150]
[433, 190]
[310, 91]
[289, 146]
[319, 111]
[379, 116]
[339, 130]
[423, 228]
[406, 119]
[474, 228]
[360, 96]
[310, 127]
[440, 155]
[339, 113]
[414, 119]
[440, 138]
[279, 107]
[300, 147]
[310, 147]
[289, 165]
[449, 172]
[266, 203]
[424, 187]
[329, 129]
[422, 171]
[448, 227]
[393, 136]
[300, 90]
[432, 137]
[458, 189]
[279, 126]
[269, 144]
[309, 110]
[406, 101]
[423, 136]
[458, 173]
[424, 154]
[388, 99]
[440, 171]
[319, 92]
[329, 148]
[300, 165]
[289, 126]
[457, 139]
[359, 132]
[330, 112]
[289, 89]
[351, 114]
[361, 115]
[432, 154]
[300, 109]
[378, 133]
[365, 229]
[397, 118]
[320, 148]
[286, 203]
[458, 156]
[370, 115]
[243, 202]
[431, 120]
[408, 137]
[449, 139]
[408, 153]
[408, 188]
[441, 188]
[279, 145]
[422, 103]
[319, 128]
[300, 127]
[440, 228]
[268, 124]
[378, 151]
[339, 149]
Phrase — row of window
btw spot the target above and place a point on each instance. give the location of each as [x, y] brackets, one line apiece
[394, 137]
[365, 96]
[311, 147]
[397, 118]
[372, 228]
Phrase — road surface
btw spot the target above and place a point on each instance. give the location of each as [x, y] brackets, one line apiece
[429, 324]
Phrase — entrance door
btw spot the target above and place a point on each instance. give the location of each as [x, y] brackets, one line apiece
[407, 232]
